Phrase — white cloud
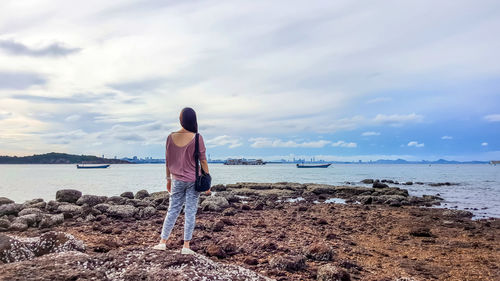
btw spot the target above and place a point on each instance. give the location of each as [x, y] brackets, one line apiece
[379, 100]
[344, 144]
[492, 118]
[231, 142]
[72, 118]
[484, 144]
[267, 142]
[367, 134]
[446, 137]
[397, 119]
[416, 144]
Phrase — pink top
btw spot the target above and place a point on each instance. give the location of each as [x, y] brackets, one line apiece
[180, 159]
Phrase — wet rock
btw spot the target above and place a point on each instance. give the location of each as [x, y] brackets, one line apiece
[218, 187]
[70, 210]
[141, 194]
[117, 200]
[29, 211]
[127, 194]
[379, 185]
[329, 272]
[457, 214]
[5, 200]
[365, 200]
[48, 221]
[320, 189]
[319, 252]
[136, 203]
[289, 263]
[91, 200]
[367, 181]
[408, 183]
[214, 203]
[68, 195]
[103, 207]
[121, 211]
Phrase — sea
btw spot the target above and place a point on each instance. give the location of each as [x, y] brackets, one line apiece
[476, 186]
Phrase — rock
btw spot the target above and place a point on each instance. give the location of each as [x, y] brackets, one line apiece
[136, 203]
[319, 252]
[68, 195]
[117, 200]
[218, 226]
[18, 226]
[379, 185]
[229, 212]
[365, 200]
[10, 209]
[367, 181]
[148, 212]
[251, 261]
[289, 263]
[128, 195]
[5, 224]
[214, 203]
[141, 194]
[50, 220]
[329, 272]
[5, 200]
[40, 205]
[215, 251]
[218, 187]
[30, 219]
[29, 211]
[91, 200]
[457, 214]
[19, 249]
[103, 207]
[53, 205]
[408, 183]
[121, 211]
[421, 232]
[70, 210]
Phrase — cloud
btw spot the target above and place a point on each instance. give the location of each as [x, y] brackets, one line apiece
[72, 118]
[492, 118]
[20, 80]
[378, 100]
[446, 137]
[267, 142]
[5, 115]
[52, 50]
[484, 144]
[64, 137]
[367, 134]
[344, 144]
[139, 85]
[223, 141]
[397, 119]
[74, 99]
[415, 144]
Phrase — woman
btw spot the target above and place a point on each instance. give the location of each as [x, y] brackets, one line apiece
[181, 172]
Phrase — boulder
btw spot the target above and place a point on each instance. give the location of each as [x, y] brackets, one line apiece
[141, 194]
[29, 211]
[457, 214]
[379, 185]
[329, 272]
[148, 212]
[214, 250]
[53, 205]
[4, 224]
[289, 263]
[127, 194]
[70, 210]
[136, 203]
[102, 207]
[91, 200]
[214, 203]
[121, 211]
[10, 209]
[367, 181]
[68, 195]
[319, 252]
[117, 200]
[18, 226]
[29, 220]
[50, 220]
[5, 200]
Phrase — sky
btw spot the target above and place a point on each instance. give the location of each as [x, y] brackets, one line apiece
[335, 80]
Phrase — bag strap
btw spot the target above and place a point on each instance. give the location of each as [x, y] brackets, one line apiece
[196, 153]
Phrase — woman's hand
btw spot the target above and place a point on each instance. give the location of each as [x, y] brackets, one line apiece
[169, 186]
[208, 192]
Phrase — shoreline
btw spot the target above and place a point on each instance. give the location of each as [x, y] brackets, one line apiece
[387, 235]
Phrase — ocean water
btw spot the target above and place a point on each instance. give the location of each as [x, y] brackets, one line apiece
[478, 185]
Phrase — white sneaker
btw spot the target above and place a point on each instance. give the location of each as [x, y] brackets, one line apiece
[187, 251]
[160, 246]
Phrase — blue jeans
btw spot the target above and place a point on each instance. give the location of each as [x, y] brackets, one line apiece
[182, 193]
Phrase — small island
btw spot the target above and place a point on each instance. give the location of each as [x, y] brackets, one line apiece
[59, 158]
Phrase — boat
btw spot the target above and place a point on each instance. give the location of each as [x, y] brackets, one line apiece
[313, 165]
[92, 166]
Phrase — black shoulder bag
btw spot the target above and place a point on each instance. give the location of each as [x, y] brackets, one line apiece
[204, 180]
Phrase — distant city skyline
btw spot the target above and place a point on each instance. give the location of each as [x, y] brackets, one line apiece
[333, 80]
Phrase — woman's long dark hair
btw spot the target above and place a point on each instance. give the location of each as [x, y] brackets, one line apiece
[188, 120]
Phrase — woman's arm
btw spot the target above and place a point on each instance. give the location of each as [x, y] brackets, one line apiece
[204, 166]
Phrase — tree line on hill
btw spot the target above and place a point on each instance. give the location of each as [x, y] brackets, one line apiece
[59, 158]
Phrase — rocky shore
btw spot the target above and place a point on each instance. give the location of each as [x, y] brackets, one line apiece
[250, 231]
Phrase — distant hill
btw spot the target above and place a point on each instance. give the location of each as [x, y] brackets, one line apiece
[59, 158]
